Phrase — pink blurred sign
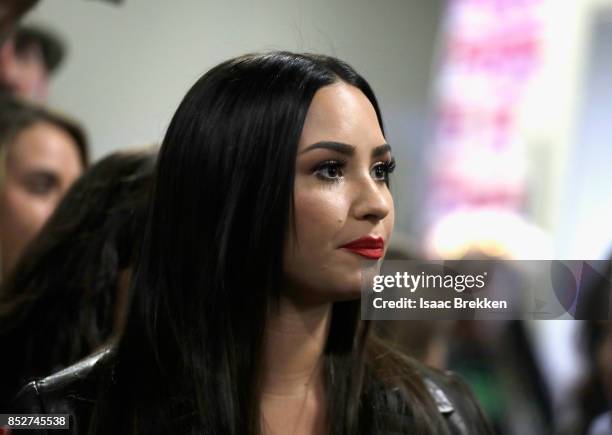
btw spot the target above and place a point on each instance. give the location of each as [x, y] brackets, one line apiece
[491, 49]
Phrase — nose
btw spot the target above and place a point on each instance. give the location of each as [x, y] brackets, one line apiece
[373, 201]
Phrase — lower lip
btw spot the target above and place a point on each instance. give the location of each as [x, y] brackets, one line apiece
[371, 253]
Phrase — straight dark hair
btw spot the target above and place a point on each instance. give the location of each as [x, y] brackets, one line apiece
[59, 303]
[211, 268]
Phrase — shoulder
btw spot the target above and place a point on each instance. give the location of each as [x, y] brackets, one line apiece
[455, 400]
[404, 380]
[72, 390]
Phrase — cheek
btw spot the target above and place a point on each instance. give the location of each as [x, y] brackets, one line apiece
[310, 249]
[389, 220]
[319, 216]
[24, 214]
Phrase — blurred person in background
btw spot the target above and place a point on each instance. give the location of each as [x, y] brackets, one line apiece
[11, 12]
[602, 424]
[68, 294]
[593, 398]
[41, 155]
[595, 394]
[496, 357]
[30, 58]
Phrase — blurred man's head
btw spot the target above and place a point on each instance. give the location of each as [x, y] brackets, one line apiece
[10, 13]
[27, 60]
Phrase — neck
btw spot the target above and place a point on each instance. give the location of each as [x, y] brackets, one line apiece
[294, 343]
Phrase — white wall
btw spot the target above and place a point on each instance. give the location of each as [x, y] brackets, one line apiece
[561, 124]
[587, 190]
[129, 66]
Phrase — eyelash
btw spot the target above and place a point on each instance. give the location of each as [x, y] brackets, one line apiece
[388, 167]
[329, 164]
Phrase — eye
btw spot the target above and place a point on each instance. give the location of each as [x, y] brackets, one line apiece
[381, 170]
[41, 183]
[330, 170]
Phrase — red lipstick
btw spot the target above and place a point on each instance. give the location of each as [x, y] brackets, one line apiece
[368, 246]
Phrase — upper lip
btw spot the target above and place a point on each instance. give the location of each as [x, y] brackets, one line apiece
[366, 242]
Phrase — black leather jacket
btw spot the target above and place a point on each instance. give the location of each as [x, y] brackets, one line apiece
[74, 390]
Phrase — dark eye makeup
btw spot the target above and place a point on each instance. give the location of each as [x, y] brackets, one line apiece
[332, 170]
[382, 170]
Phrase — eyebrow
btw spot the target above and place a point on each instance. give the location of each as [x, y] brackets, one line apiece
[346, 149]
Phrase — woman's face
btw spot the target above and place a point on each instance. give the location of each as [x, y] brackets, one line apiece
[343, 206]
[41, 164]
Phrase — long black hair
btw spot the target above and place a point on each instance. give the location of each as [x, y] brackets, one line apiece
[59, 303]
[211, 266]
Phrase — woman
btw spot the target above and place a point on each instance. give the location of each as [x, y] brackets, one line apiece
[272, 191]
[67, 296]
[41, 155]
